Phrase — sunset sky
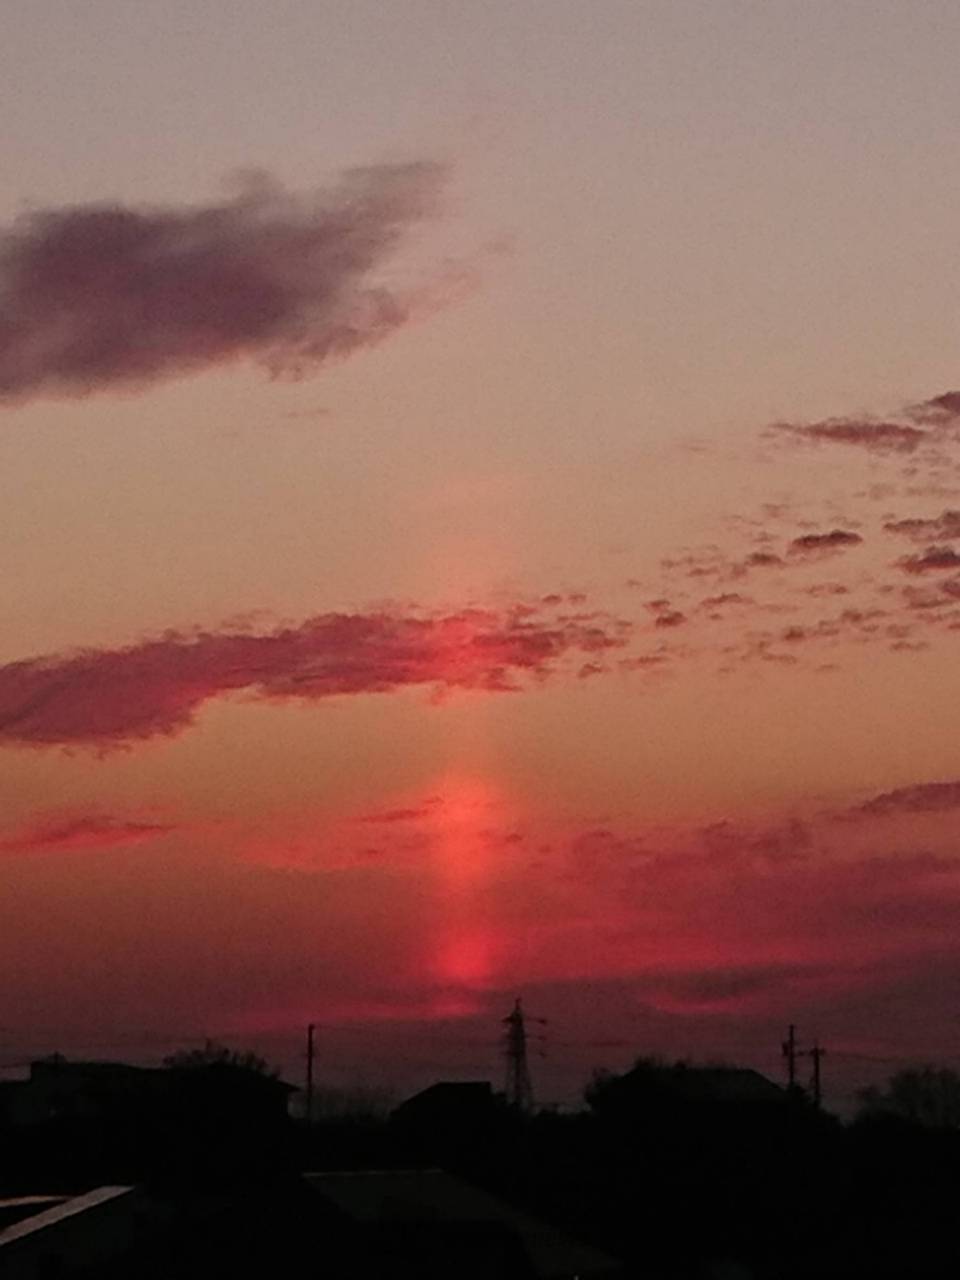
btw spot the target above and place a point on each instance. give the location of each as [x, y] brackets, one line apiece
[480, 496]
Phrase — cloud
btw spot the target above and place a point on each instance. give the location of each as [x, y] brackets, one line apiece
[946, 526]
[756, 561]
[411, 813]
[108, 697]
[816, 543]
[589, 669]
[791, 838]
[937, 409]
[96, 297]
[933, 560]
[922, 797]
[712, 562]
[665, 615]
[924, 598]
[82, 831]
[928, 422]
[811, 893]
[725, 598]
[737, 988]
[762, 560]
[644, 661]
[864, 433]
[695, 925]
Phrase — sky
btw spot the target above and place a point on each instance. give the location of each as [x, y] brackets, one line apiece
[480, 495]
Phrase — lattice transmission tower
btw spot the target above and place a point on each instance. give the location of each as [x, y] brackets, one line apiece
[518, 1085]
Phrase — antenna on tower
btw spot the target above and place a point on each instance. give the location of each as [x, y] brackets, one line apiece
[518, 1088]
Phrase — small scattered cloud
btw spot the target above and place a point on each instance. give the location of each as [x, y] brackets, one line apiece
[589, 669]
[665, 614]
[412, 813]
[644, 662]
[763, 560]
[922, 797]
[725, 598]
[862, 433]
[945, 526]
[933, 560]
[820, 543]
[924, 598]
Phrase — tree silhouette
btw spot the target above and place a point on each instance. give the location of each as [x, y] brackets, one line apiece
[218, 1055]
[928, 1096]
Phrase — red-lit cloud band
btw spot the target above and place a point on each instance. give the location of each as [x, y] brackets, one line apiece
[464, 892]
[109, 697]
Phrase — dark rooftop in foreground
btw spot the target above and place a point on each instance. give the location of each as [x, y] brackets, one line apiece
[691, 1084]
[478, 1233]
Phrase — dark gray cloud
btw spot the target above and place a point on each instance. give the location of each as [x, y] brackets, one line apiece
[94, 297]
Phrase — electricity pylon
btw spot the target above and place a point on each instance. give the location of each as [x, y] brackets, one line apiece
[519, 1088]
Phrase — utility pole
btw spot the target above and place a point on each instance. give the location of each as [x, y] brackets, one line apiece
[519, 1089]
[816, 1053]
[789, 1050]
[792, 1052]
[310, 1053]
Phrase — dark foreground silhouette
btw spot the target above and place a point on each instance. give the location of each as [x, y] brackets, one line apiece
[669, 1171]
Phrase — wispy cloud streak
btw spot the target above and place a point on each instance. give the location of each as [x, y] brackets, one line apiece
[81, 832]
[877, 437]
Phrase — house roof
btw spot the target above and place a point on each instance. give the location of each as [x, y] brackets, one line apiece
[59, 1213]
[127, 1073]
[707, 1084]
[433, 1196]
[450, 1093]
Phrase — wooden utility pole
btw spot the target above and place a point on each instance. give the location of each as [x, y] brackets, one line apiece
[310, 1051]
[789, 1049]
[816, 1053]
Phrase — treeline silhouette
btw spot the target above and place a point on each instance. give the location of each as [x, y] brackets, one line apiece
[680, 1170]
